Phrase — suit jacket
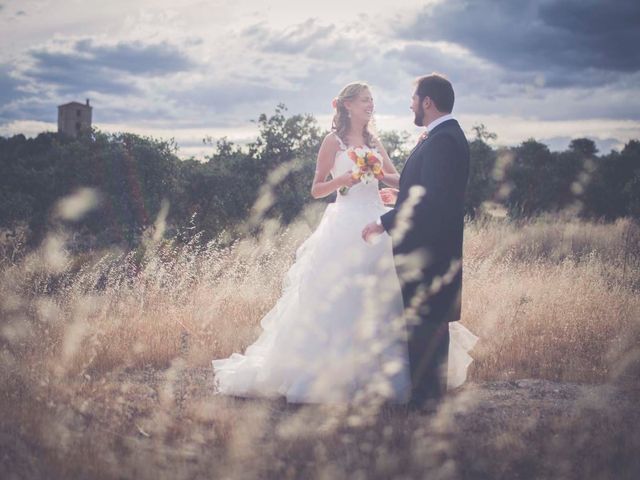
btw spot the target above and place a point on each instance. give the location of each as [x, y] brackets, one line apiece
[434, 224]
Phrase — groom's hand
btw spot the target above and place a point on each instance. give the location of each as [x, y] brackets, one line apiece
[371, 229]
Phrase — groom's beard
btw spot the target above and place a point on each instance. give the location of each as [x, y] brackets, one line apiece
[418, 119]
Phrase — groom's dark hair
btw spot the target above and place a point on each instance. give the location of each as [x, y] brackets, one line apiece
[438, 89]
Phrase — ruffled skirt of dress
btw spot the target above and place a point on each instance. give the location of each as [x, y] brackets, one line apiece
[336, 334]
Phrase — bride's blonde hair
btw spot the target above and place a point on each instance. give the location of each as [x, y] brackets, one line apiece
[341, 121]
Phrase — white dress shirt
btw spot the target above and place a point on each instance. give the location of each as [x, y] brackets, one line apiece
[439, 120]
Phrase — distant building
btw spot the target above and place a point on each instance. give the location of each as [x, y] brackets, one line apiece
[74, 117]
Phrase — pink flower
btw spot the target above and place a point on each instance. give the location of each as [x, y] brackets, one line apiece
[372, 159]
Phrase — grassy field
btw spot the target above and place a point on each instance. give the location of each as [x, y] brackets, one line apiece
[106, 365]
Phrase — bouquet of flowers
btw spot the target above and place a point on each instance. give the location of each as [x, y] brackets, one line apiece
[367, 165]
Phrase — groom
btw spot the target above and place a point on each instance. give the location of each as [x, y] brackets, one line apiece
[426, 226]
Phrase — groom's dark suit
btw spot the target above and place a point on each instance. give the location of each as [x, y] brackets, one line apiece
[427, 228]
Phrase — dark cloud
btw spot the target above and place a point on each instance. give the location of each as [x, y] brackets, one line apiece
[419, 58]
[31, 88]
[486, 88]
[8, 87]
[559, 39]
[30, 109]
[538, 59]
[70, 73]
[599, 34]
[136, 58]
[104, 68]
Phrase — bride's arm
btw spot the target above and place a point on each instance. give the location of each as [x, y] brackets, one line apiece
[326, 156]
[391, 175]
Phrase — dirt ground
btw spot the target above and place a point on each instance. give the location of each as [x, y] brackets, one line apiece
[169, 424]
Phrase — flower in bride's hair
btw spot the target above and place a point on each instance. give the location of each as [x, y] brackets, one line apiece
[334, 103]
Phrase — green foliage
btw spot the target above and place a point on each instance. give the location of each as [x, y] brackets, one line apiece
[483, 134]
[222, 191]
[292, 144]
[395, 143]
[576, 180]
[613, 191]
[134, 174]
[482, 183]
[530, 179]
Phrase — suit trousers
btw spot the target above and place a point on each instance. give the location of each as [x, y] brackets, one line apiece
[428, 345]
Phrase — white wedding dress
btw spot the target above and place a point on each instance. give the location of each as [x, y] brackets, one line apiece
[336, 334]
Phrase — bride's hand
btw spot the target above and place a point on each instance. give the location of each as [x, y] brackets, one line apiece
[389, 196]
[346, 180]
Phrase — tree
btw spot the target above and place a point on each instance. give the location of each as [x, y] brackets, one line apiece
[395, 143]
[483, 134]
[611, 193]
[531, 183]
[134, 174]
[290, 143]
[584, 147]
[482, 184]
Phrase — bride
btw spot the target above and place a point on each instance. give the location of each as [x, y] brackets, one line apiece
[337, 335]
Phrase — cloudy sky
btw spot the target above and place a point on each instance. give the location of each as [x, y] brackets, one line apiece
[548, 69]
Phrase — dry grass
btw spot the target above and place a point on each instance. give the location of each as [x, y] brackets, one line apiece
[108, 376]
[552, 300]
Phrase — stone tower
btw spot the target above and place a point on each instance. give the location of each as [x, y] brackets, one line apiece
[74, 117]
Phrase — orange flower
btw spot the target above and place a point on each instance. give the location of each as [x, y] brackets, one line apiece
[353, 156]
[356, 175]
[360, 162]
[377, 169]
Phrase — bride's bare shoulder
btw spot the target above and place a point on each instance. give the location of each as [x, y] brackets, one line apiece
[329, 149]
[332, 140]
